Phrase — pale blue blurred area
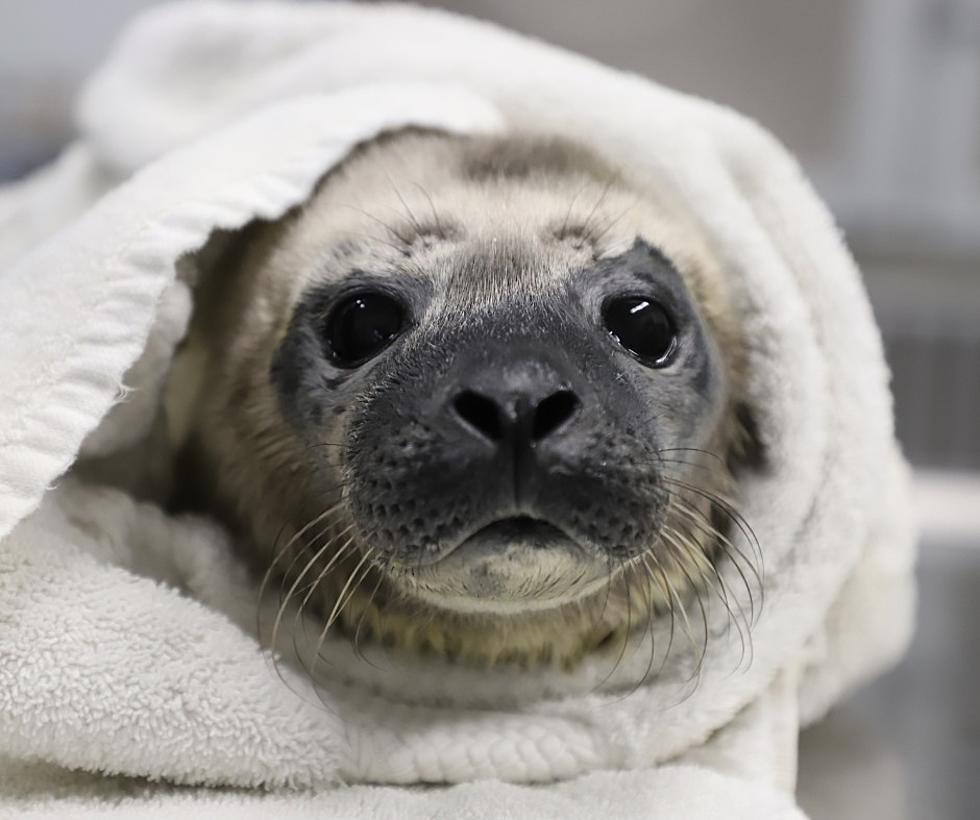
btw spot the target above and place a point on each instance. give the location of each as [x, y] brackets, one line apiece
[880, 99]
[46, 49]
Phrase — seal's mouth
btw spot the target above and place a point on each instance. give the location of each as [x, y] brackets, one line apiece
[513, 540]
[519, 530]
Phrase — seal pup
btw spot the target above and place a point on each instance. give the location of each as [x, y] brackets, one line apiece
[479, 396]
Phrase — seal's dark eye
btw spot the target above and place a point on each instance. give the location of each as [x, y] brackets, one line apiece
[642, 326]
[362, 325]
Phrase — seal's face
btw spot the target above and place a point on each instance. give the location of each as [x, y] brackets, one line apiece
[506, 405]
[481, 373]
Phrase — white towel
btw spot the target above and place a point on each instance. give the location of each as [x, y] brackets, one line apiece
[126, 635]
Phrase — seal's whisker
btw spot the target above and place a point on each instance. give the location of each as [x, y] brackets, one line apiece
[318, 519]
[382, 572]
[278, 553]
[732, 552]
[328, 544]
[283, 604]
[586, 225]
[608, 585]
[563, 230]
[706, 469]
[666, 589]
[432, 207]
[405, 242]
[698, 519]
[596, 238]
[732, 514]
[400, 249]
[321, 575]
[720, 587]
[680, 554]
[625, 568]
[720, 459]
[350, 587]
[678, 605]
[670, 611]
[408, 211]
[648, 632]
[308, 544]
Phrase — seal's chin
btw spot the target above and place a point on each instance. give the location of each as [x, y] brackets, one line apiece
[512, 565]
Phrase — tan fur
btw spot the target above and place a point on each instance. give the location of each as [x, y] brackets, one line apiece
[429, 194]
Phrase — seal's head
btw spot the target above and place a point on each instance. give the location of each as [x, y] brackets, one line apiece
[486, 381]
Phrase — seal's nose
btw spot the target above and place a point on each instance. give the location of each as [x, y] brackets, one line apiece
[521, 419]
[515, 411]
[514, 416]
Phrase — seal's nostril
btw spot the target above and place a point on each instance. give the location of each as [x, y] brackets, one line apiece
[552, 413]
[481, 413]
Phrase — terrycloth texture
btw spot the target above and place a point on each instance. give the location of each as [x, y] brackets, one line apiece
[126, 643]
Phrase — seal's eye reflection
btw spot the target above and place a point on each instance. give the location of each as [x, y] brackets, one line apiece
[361, 325]
[643, 327]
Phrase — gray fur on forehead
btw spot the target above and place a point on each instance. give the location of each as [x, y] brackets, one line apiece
[489, 158]
[481, 158]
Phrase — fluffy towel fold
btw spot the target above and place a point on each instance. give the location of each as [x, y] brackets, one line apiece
[127, 646]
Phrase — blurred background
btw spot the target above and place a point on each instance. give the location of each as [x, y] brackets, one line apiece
[880, 100]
